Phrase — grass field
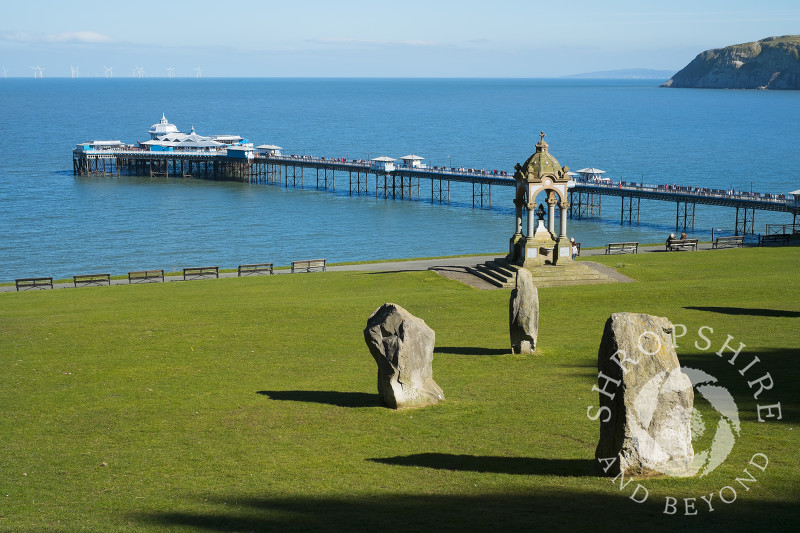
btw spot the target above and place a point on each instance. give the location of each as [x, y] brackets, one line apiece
[250, 404]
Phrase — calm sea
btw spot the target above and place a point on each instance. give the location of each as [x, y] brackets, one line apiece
[55, 224]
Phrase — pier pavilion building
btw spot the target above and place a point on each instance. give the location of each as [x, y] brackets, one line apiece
[165, 137]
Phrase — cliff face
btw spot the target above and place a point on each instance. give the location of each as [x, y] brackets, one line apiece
[772, 63]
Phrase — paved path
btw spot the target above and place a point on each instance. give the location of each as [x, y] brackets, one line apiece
[393, 266]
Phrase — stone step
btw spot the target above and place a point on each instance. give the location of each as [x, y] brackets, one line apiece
[494, 273]
[486, 277]
[501, 273]
[503, 267]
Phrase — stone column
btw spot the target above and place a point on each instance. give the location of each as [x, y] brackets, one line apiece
[551, 213]
[515, 247]
[564, 206]
[518, 216]
[531, 220]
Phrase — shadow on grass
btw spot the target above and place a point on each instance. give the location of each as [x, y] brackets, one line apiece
[552, 509]
[340, 399]
[746, 311]
[466, 350]
[380, 272]
[523, 466]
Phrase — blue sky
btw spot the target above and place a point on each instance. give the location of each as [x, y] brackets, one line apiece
[359, 38]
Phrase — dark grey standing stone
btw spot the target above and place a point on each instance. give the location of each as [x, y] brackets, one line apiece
[646, 401]
[523, 314]
[402, 346]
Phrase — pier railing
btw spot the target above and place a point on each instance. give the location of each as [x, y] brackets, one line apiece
[699, 192]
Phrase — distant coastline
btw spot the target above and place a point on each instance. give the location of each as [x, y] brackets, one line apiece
[626, 74]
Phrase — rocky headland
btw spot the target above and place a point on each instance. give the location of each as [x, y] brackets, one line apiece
[771, 63]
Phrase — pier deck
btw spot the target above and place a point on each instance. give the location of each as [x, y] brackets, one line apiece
[585, 197]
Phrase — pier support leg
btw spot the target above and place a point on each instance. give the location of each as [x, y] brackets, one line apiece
[745, 221]
[684, 216]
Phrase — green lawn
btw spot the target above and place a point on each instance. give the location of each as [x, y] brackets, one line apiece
[245, 404]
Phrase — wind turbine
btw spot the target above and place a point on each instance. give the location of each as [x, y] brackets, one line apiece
[74, 71]
[109, 74]
[37, 72]
[199, 72]
[171, 72]
[140, 72]
[5, 72]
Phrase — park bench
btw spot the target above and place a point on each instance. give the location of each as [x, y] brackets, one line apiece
[34, 283]
[91, 279]
[728, 242]
[308, 265]
[200, 272]
[255, 269]
[145, 275]
[676, 245]
[780, 239]
[622, 248]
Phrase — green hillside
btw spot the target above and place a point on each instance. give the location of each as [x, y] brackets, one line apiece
[250, 404]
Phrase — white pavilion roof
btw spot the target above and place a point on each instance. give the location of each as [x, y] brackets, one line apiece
[412, 157]
[185, 140]
[384, 159]
[268, 147]
[163, 127]
[591, 170]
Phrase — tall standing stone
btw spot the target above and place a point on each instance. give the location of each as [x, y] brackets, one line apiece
[645, 400]
[402, 346]
[523, 314]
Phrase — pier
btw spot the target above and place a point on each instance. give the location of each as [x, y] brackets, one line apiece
[586, 200]
[170, 154]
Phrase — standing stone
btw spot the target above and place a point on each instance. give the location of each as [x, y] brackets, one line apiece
[402, 345]
[523, 313]
[645, 400]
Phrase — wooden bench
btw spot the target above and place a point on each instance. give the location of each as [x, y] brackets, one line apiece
[255, 270]
[780, 239]
[34, 283]
[145, 275]
[728, 242]
[308, 265]
[622, 248]
[92, 279]
[676, 245]
[200, 272]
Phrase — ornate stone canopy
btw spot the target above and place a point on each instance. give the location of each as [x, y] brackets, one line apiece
[541, 173]
[541, 165]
